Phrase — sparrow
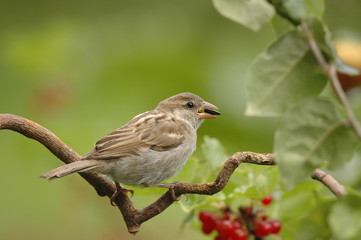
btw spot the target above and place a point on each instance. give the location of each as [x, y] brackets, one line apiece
[150, 148]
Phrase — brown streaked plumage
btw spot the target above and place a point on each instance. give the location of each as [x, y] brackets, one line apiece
[150, 148]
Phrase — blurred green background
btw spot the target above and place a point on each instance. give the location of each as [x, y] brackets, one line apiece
[84, 68]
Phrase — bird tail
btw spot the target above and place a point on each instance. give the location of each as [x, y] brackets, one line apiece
[78, 166]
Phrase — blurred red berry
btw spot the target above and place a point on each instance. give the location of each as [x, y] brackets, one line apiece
[237, 224]
[225, 228]
[207, 228]
[227, 215]
[237, 228]
[257, 221]
[263, 229]
[267, 200]
[239, 234]
[203, 216]
[209, 221]
[275, 226]
[246, 211]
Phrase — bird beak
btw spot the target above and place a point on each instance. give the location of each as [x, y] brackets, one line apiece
[208, 111]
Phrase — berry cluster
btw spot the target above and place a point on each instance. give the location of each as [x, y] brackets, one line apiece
[239, 226]
[227, 228]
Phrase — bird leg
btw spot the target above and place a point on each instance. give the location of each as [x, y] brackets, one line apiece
[119, 189]
[170, 187]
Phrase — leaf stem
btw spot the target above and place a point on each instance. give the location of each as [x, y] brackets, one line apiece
[331, 72]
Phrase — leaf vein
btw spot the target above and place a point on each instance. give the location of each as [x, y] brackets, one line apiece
[323, 138]
[283, 76]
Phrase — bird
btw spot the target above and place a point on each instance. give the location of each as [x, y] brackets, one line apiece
[150, 148]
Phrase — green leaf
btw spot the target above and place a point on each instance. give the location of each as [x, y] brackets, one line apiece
[256, 182]
[296, 205]
[299, 11]
[197, 171]
[196, 201]
[323, 37]
[314, 8]
[345, 218]
[297, 202]
[310, 135]
[295, 9]
[282, 76]
[250, 13]
[213, 152]
[280, 25]
[314, 225]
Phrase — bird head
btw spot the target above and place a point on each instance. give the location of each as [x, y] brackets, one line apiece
[189, 107]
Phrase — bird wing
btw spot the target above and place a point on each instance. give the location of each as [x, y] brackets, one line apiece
[158, 133]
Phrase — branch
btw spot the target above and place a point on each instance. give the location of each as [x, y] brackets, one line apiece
[135, 217]
[332, 184]
[330, 69]
[331, 72]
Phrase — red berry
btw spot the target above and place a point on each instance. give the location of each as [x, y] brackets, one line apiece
[237, 224]
[275, 226]
[225, 228]
[263, 229]
[207, 228]
[227, 215]
[257, 221]
[239, 234]
[246, 211]
[203, 216]
[267, 200]
[209, 221]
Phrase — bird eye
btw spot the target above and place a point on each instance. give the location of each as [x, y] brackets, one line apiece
[189, 105]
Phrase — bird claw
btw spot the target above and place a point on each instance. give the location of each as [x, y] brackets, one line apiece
[186, 194]
[170, 187]
[174, 197]
[120, 189]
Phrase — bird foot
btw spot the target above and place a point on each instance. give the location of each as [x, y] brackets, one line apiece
[174, 197]
[119, 189]
[170, 187]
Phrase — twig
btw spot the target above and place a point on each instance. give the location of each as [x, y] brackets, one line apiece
[133, 217]
[330, 69]
[332, 184]
[331, 72]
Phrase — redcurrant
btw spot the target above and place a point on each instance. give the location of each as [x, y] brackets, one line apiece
[263, 229]
[267, 200]
[275, 226]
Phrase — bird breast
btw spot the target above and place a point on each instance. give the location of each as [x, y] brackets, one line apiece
[151, 166]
